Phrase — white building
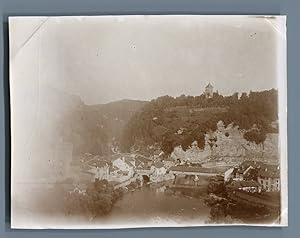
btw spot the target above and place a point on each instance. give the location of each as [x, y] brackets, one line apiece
[125, 165]
[269, 179]
[158, 172]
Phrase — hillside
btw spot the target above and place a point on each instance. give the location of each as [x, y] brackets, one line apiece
[96, 129]
[66, 127]
[169, 122]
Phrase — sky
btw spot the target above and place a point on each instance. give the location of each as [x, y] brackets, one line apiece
[104, 59]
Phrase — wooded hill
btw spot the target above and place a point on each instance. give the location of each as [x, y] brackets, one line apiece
[169, 121]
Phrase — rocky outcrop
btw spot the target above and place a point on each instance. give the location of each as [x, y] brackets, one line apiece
[193, 154]
[228, 143]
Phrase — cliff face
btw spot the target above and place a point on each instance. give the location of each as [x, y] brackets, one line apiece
[228, 143]
[192, 154]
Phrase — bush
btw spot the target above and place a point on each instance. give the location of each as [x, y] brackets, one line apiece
[98, 199]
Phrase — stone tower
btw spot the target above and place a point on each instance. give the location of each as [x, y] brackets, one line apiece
[209, 90]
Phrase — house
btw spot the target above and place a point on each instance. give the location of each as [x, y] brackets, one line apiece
[158, 168]
[143, 166]
[247, 186]
[142, 161]
[158, 172]
[125, 165]
[269, 178]
[267, 175]
[118, 176]
[229, 174]
[246, 171]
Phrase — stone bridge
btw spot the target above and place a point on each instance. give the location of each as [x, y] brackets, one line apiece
[193, 170]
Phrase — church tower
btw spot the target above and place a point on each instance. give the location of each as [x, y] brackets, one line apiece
[209, 90]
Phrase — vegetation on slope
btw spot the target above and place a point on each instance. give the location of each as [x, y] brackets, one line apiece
[94, 128]
[172, 121]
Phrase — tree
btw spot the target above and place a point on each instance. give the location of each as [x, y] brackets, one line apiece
[256, 108]
[98, 200]
[255, 135]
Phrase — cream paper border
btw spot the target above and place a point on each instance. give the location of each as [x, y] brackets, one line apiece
[280, 27]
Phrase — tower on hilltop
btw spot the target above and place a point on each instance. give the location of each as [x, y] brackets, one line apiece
[209, 90]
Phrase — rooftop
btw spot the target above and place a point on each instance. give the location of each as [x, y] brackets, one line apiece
[209, 86]
[268, 173]
[142, 159]
[263, 170]
[185, 168]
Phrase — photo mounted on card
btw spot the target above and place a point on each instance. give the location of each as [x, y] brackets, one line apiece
[148, 121]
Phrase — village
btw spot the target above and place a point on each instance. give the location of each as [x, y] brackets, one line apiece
[250, 177]
[247, 172]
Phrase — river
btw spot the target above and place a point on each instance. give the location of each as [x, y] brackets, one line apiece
[143, 207]
[148, 206]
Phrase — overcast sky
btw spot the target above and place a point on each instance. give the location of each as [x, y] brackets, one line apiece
[104, 59]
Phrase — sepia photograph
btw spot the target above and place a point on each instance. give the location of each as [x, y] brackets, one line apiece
[131, 121]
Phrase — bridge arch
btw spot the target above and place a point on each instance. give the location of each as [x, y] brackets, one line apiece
[146, 178]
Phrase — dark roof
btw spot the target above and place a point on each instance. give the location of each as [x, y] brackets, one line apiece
[268, 173]
[185, 168]
[263, 170]
[129, 161]
[244, 183]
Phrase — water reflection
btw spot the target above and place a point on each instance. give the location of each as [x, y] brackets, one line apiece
[151, 205]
